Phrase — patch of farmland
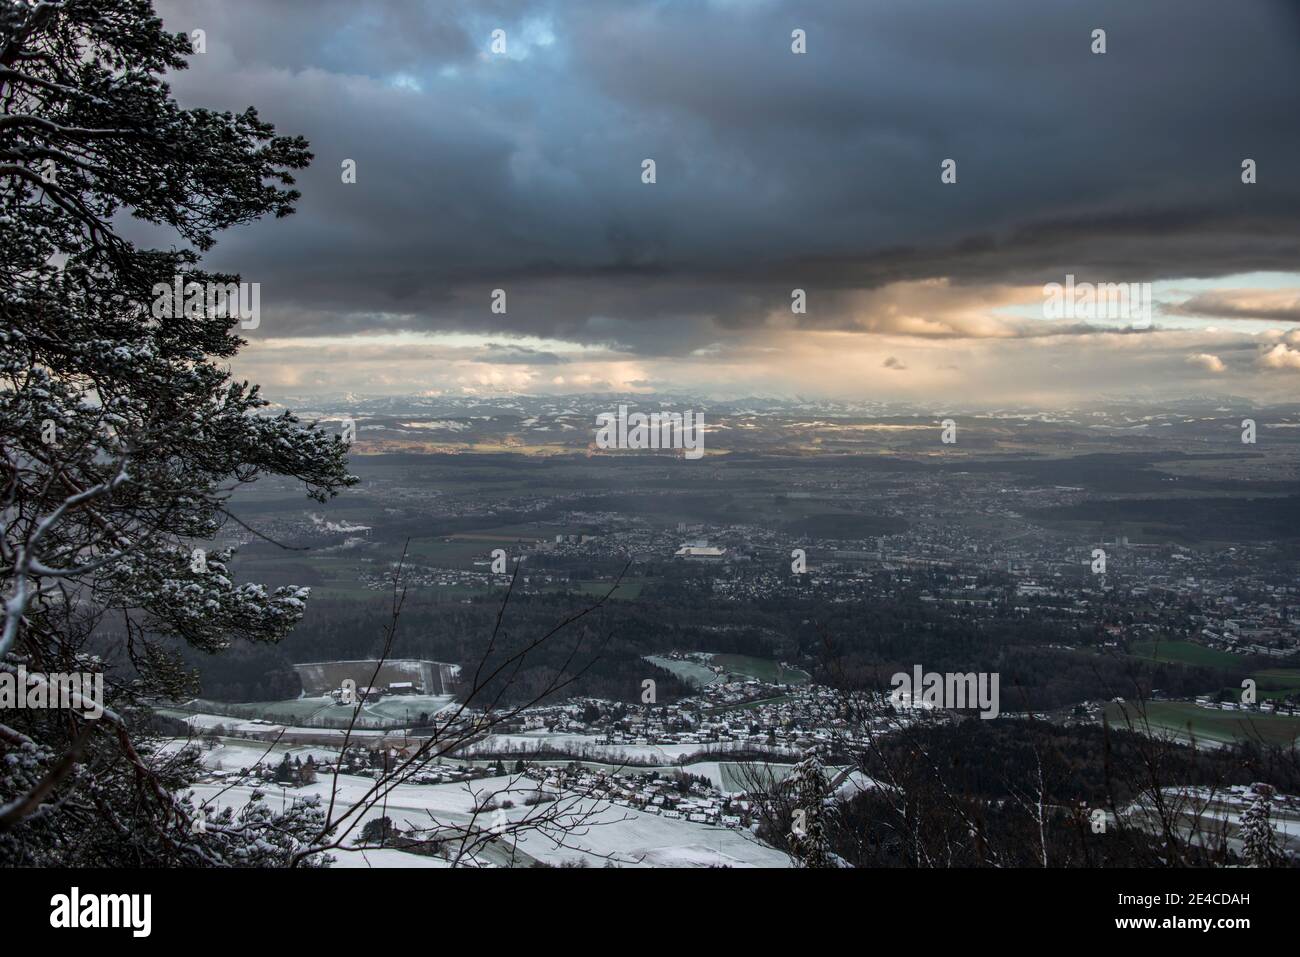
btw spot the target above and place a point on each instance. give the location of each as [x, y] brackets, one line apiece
[691, 672]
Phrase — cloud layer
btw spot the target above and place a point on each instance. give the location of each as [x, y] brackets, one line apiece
[478, 171]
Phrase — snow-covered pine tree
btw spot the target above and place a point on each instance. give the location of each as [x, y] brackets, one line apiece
[807, 787]
[1259, 840]
[121, 434]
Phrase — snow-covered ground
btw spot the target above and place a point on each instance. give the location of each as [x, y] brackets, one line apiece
[235, 755]
[689, 671]
[609, 833]
[202, 722]
[385, 857]
[296, 716]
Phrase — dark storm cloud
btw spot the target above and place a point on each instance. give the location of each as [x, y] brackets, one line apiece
[517, 355]
[774, 170]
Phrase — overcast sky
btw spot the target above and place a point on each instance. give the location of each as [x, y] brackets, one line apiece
[522, 171]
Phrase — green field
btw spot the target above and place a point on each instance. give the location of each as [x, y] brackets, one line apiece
[327, 575]
[735, 777]
[1185, 718]
[1272, 683]
[761, 668]
[1187, 653]
[406, 708]
[1277, 682]
[290, 711]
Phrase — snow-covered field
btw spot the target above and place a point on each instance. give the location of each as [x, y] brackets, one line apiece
[202, 722]
[296, 715]
[235, 755]
[689, 671]
[386, 857]
[610, 833]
